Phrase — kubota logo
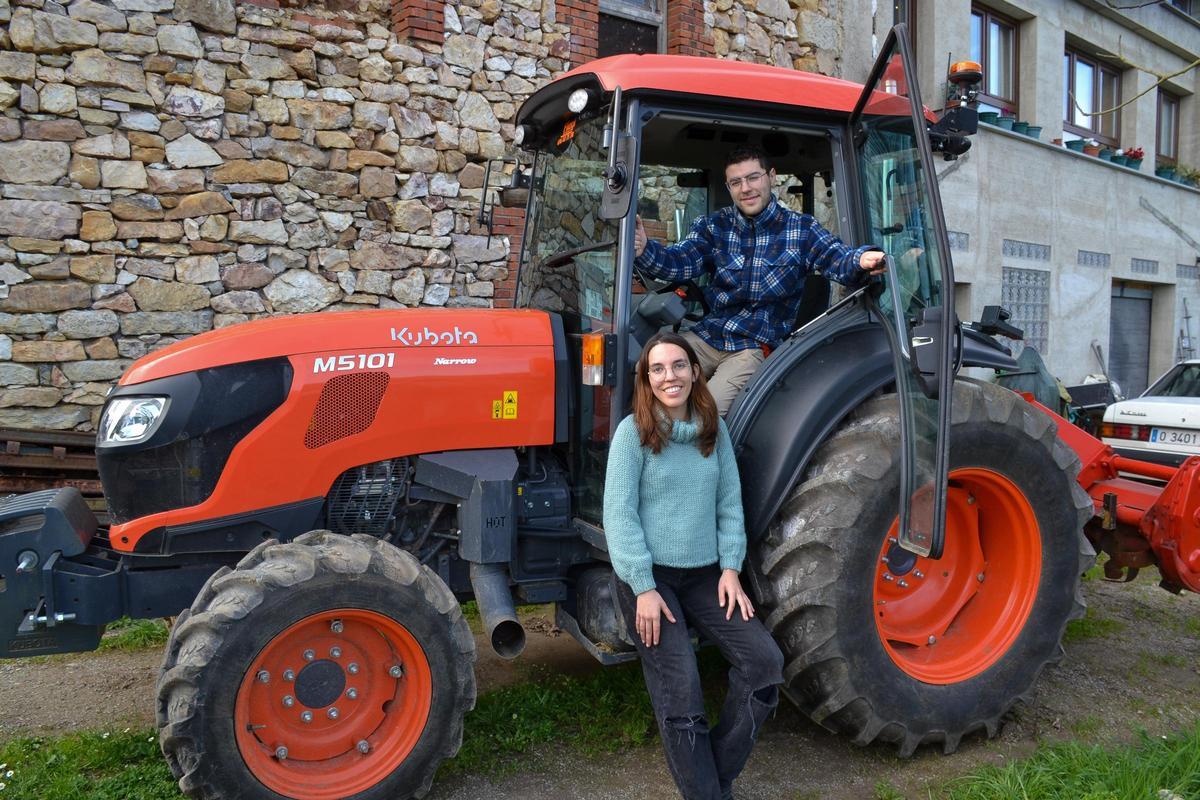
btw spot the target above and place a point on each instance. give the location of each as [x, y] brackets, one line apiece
[427, 337]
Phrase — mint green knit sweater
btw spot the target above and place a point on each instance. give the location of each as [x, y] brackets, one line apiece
[674, 509]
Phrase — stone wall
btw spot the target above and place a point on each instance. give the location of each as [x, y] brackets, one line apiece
[172, 166]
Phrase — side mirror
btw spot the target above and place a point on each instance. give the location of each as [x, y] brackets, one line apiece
[618, 179]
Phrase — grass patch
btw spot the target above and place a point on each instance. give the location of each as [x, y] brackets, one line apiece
[885, 790]
[1073, 771]
[135, 634]
[1091, 627]
[1086, 728]
[603, 712]
[87, 766]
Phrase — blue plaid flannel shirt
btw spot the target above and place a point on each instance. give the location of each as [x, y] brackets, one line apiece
[758, 266]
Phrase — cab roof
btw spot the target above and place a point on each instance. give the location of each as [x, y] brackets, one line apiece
[722, 80]
[736, 80]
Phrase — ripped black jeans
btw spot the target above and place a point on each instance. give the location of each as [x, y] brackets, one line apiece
[705, 762]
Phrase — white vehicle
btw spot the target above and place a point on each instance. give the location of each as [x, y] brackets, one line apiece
[1163, 425]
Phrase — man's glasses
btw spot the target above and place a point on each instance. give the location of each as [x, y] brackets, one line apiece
[736, 183]
[660, 370]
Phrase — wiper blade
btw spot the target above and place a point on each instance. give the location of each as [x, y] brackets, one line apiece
[558, 259]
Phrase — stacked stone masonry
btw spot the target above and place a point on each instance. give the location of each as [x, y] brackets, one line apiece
[168, 167]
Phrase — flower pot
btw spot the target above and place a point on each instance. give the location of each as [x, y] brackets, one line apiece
[1122, 160]
[1034, 131]
[1020, 126]
[1165, 172]
[989, 117]
[1091, 149]
[1106, 154]
[1133, 163]
[1076, 145]
[1006, 122]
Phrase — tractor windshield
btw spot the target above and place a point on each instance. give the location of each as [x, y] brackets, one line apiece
[569, 253]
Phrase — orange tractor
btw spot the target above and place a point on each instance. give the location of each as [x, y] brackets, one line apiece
[314, 496]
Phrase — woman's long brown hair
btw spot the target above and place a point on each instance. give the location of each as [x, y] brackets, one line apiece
[701, 405]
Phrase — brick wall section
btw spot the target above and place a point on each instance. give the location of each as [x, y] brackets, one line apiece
[420, 20]
[686, 33]
[508, 222]
[583, 16]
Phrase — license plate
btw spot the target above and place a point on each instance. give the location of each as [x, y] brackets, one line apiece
[1172, 436]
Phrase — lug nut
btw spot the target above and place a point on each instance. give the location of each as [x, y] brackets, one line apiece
[892, 539]
[335, 652]
[332, 713]
[979, 577]
[309, 655]
[918, 574]
[306, 716]
[887, 576]
[264, 676]
[281, 752]
[903, 584]
[933, 640]
[396, 671]
[970, 499]
[352, 693]
[352, 668]
[884, 559]
[288, 701]
[288, 675]
[364, 747]
[336, 626]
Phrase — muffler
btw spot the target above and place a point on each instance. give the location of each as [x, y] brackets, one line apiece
[496, 609]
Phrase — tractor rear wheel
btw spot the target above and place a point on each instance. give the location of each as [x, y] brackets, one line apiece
[883, 645]
[327, 667]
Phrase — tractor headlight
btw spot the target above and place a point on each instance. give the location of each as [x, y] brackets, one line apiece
[128, 420]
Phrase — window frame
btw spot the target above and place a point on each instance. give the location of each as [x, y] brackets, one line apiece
[987, 15]
[1159, 157]
[1074, 56]
[630, 11]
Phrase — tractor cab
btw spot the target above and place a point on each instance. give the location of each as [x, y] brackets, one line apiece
[646, 136]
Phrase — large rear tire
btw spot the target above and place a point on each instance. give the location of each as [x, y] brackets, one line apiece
[328, 667]
[881, 645]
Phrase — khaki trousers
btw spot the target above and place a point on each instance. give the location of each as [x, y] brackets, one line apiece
[727, 371]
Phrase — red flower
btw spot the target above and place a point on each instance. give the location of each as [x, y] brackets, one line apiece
[1135, 153]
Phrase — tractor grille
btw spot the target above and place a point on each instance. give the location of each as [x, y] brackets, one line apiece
[347, 406]
[364, 499]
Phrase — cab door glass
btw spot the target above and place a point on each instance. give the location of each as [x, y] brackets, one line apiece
[903, 209]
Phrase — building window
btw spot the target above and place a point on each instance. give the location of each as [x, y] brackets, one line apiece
[1168, 128]
[1090, 86]
[994, 46]
[1025, 293]
[631, 26]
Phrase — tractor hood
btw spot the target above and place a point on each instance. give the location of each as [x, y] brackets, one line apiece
[347, 332]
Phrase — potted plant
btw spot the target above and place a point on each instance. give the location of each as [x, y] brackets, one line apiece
[1006, 119]
[1187, 175]
[1034, 131]
[1134, 156]
[989, 117]
[1020, 126]
[1165, 171]
[1106, 154]
[1091, 147]
[1076, 145]
[1118, 157]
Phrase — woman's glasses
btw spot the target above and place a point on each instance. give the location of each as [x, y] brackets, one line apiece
[660, 370]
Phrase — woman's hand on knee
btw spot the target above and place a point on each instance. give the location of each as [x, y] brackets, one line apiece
[650, 609]
[729, 590]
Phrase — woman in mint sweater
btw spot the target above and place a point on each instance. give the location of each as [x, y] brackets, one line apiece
[676, 537]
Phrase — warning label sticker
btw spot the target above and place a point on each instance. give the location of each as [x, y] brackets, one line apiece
[509, 410]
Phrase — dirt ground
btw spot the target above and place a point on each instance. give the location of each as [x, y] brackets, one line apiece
[1145, 674]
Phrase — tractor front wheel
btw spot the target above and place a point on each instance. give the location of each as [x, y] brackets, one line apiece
[883, 645]
[328, 667]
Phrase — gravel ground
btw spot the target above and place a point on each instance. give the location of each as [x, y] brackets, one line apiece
[1146, 675]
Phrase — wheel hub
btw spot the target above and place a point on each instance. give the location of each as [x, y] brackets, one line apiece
[899, 560]
[320, 683]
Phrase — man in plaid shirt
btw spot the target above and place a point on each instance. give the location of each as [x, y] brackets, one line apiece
[758, 253]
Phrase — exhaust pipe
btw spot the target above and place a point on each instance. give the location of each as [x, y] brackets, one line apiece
[490, 582]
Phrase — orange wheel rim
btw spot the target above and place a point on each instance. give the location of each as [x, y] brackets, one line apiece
[333, 704]
[949, 620]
